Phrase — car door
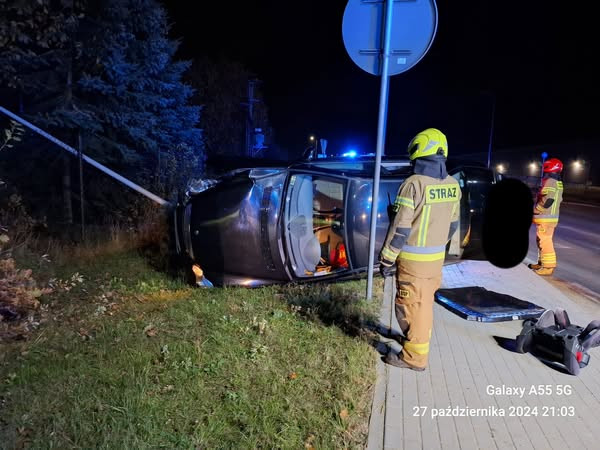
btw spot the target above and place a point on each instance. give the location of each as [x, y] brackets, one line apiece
[358, 217]
[313, 225]
[475, 183]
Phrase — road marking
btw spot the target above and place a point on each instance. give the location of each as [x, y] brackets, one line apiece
[586, 292]
[557, 245]
[582, 204]
[578, 231]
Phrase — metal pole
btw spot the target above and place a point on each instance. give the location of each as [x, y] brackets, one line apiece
[588, 176]
[250, 115]
[80, 145]
[491, 131]
[544, 156]
[87, 159]
[158, 166]
[383, 104]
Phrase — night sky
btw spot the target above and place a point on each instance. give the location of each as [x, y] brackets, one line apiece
[535, 58]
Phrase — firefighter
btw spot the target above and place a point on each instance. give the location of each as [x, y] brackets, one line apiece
[426, 212]
[545, 216]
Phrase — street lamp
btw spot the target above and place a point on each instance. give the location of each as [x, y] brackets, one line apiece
[578, 167]
[500, 168]
[314, 142]
[532, 168]
[313, 148]
[317, 147]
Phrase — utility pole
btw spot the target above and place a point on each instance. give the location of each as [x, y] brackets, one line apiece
[252, 83]
[66, 177]
[489, 161]
[80, 148]
[250, 118]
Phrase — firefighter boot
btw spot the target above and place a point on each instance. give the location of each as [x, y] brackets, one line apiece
[389, 334]
[546, 271]
[394, 360]
[535, 266]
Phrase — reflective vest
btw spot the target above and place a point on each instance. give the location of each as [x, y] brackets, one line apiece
[547, 205]
[426, 206]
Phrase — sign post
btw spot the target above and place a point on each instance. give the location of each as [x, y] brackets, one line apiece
[380, 46]
[381, 124]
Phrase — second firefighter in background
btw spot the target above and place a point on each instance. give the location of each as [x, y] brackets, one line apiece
[426, 216]
[545, 216]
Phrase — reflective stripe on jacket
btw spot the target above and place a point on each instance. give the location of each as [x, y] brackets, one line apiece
[547, 205]
[426, 206]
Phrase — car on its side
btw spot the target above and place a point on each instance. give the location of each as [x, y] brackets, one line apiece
[305, 221]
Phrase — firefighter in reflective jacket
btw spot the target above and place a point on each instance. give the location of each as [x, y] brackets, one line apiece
[545, 216]
[426, 215]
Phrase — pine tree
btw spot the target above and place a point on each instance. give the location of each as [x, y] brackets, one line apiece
[135, 88]
[33, 38]
[38, 50]
[105, 69]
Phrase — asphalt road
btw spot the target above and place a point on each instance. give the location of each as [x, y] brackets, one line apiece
[577, 246]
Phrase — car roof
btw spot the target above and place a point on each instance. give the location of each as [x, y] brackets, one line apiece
[359, 166]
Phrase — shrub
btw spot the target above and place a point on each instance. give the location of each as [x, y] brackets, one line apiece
[18, 297]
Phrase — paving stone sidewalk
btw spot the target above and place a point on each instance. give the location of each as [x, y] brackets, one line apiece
[470, 374]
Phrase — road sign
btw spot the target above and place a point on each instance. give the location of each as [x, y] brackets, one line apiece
[415, 25]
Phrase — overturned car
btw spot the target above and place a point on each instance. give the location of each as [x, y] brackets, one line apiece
[303, 222]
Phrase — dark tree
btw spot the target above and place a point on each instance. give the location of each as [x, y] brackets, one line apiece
[38, 54]
[102, 73]
[135, 88]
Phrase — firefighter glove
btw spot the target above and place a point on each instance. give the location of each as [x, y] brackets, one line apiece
[387, 271]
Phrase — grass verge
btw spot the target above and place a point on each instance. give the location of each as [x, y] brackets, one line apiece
[128, 358]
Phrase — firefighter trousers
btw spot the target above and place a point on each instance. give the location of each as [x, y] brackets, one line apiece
[414, 313]
[543, 237]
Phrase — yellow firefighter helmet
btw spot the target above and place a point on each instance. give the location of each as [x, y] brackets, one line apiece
[427, 143]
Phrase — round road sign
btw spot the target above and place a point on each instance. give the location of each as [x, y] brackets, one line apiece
[414, 24]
